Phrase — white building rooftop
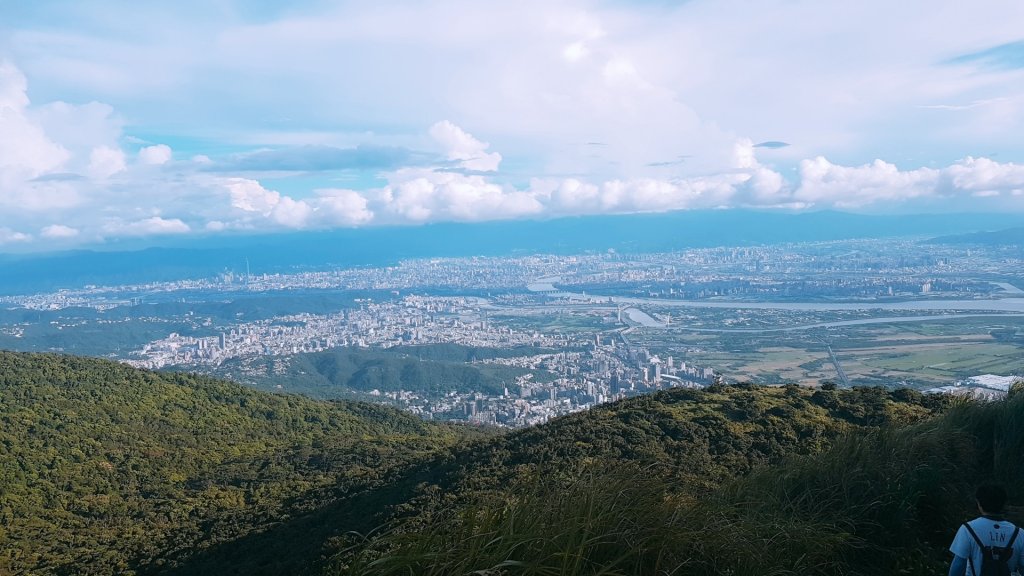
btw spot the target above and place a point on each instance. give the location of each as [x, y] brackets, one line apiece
[992, 381]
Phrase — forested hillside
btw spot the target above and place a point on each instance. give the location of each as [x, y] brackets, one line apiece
[348, 372]
[885, 497]
[107, 469]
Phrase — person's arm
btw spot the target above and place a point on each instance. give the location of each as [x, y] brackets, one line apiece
[961, 549]
[958, 567]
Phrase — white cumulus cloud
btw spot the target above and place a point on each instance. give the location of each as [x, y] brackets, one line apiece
[340, 207]
[250, 196]
[155, 155]
[985, 174]
[105, 161]
[258, 205]
[153, 226]
[291, 213]
[460, 145]
[25, 149]
[828, 184]
[58, 231]
[420, 195]
[8, 236]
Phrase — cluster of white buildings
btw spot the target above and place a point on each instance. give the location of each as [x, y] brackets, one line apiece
[588, 374]
[409, 321]
[585, 371]
[989, 386]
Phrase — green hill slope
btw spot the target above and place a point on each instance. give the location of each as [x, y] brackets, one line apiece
[685, 443]
[107, 469]
[689, 440]
[876, 500]
[347, 372]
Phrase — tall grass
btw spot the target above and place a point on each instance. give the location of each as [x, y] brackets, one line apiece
[609, 521]
[880, 502]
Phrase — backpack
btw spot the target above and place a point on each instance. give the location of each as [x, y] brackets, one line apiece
[995, 560]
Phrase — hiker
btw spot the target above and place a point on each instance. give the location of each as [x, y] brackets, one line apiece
[988, 545]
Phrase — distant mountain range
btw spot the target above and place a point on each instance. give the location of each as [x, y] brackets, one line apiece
[184, 258]
[1008, 237]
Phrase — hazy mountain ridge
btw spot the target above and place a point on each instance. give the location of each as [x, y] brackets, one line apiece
[127, 263]
[1007, 237]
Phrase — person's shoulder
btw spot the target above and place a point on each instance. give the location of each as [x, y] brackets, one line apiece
[983, 523]
[989, 521]
[1009, 524]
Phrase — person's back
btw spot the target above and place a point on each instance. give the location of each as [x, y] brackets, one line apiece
[980, 543]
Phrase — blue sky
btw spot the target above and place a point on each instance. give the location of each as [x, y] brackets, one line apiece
[122, 119]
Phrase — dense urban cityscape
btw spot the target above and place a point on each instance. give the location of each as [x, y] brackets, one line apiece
[587, 371]
[868, 269]
[602, 325]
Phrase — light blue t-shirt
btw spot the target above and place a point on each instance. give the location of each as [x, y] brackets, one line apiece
[992, 533]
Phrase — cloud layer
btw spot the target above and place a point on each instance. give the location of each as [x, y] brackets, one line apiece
[61, 190]
[351, 114]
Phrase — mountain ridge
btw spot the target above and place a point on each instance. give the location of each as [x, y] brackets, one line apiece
[189, 258]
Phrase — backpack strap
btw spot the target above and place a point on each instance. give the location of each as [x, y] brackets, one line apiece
[975, 534]
[1009, 546]
[970, 557]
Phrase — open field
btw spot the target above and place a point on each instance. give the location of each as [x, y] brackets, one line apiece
[917, 353]
[943, 362]
[919, 348]
[771, 365]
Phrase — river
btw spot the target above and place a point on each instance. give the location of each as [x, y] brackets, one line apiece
[972, 308]
[980, 305]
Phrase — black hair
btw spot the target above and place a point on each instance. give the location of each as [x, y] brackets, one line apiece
[991, 498]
